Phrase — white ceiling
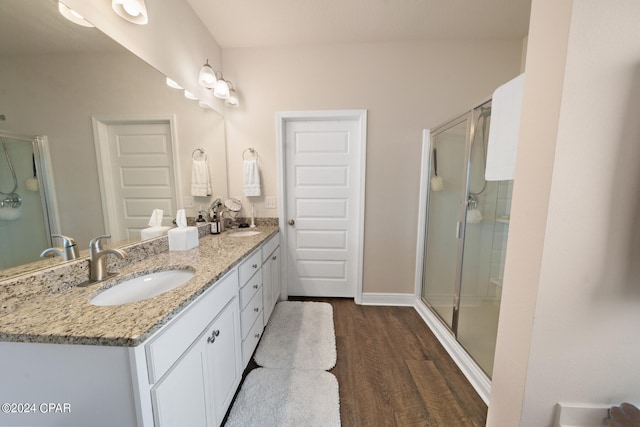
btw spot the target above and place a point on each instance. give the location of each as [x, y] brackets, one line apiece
[264, 23]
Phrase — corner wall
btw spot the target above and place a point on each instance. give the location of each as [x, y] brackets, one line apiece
[572, 297]
[405, 87]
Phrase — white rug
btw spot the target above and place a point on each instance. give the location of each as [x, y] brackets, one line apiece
[299, 335]
[286, 397]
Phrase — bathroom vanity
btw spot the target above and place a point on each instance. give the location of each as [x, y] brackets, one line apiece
[175, 359]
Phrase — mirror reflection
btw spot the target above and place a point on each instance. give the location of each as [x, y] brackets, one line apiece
[95, 138]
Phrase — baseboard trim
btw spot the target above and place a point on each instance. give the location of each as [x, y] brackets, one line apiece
[476, 376]
[379, 298]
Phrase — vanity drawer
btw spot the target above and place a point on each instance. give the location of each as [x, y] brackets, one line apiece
[270, 246]
[249, 344]
[249, 289]
[167, 347]
[249, 266]
[251, 313]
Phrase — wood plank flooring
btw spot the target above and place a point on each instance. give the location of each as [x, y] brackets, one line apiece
[392, 371]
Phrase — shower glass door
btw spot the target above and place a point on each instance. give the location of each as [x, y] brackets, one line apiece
[24, 228]
[448, 183]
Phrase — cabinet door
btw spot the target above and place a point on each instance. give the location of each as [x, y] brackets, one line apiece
[223, 348]
[271, 283]
[179, 399]
[267, 289]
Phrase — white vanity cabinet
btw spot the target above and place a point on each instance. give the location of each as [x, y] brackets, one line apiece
[270, 275]
[186, 374]
[250, 282]
[199, 387]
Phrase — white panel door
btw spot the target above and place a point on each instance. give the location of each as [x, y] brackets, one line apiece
[323, 185]
[143, 178]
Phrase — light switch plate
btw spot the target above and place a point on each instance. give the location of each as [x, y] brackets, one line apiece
[188, 202]
[270, 201]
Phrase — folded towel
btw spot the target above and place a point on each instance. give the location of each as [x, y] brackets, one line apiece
[503, 133]
[200, 181]
[251, 178]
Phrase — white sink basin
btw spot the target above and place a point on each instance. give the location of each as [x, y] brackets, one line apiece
[142, 287]
[244, 233]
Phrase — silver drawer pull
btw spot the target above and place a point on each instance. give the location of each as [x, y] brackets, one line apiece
[213, 336]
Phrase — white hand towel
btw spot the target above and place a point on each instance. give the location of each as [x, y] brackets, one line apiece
[251, 177]
[200, 180]
[503, 132]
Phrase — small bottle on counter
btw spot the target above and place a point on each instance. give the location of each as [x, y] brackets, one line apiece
[215, 224]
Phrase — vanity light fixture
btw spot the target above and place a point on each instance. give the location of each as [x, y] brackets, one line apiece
[173, 84]
[221, 89]
[73, 16]
[233, 100]
[189, 95]
[134, 11]
[207, 76]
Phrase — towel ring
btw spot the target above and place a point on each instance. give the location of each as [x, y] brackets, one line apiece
[252, 151]
[201, 151]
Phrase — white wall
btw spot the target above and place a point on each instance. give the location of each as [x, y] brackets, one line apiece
[571, 305]
[405, 87]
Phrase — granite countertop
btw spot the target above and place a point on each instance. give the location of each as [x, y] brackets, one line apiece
[67, 317]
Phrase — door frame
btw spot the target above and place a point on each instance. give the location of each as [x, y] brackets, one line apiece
[284, 117]
[101, 140]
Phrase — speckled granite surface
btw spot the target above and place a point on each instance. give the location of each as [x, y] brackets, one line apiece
[50, 308]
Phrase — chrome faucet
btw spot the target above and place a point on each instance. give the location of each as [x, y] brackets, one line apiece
[67, 251]
[97, 258]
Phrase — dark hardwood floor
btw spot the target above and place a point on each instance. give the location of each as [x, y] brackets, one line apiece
[392, 371]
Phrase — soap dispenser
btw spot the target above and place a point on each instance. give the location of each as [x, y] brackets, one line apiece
[215, 224]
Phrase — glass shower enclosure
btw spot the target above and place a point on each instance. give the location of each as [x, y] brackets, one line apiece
[466, 234]
[25, 212]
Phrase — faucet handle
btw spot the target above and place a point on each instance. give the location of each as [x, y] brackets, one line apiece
[66, 240]
[94, 244]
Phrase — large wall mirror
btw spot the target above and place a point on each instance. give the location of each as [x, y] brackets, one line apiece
[56, 78]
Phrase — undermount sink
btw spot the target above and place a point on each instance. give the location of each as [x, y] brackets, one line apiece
[244, 233]
[142, 287]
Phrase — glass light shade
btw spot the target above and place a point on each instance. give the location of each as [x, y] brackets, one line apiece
[221, 89]
[134, 11]
[203, 104]
[207, 76]
[233, 98]
[73, 16]
[189, 95]
[173, 84]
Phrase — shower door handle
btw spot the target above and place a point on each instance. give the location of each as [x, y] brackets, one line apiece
[458, 228]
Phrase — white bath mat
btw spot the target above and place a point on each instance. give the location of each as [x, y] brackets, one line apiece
[299, 335]
[286, 397]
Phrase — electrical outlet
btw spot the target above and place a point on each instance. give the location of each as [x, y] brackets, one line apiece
[188, 203]
[270, 201]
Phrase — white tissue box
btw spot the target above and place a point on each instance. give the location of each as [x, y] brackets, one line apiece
[183, 238]
[151, 232]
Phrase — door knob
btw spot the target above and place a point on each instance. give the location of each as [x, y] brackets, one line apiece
[291, 222]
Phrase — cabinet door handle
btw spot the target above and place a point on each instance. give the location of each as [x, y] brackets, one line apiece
[254, 266]
[257, 309]
[274, 257]
[256, 286]
[213, 336]
[257, 335]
